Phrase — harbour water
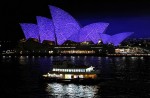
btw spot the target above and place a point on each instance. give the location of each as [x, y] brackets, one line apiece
[123, 77]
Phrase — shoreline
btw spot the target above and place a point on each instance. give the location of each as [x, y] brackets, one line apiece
[101, 55]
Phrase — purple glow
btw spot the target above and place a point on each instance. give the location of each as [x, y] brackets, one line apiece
[74, 37]
[30, 30]
[92, 32]
[46, 28]
[118, 38]
[65, 24]
[105, 38]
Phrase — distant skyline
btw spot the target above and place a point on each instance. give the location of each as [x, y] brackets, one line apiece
[122, 15]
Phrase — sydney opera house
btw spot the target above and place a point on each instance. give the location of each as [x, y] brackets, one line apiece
[63, 27]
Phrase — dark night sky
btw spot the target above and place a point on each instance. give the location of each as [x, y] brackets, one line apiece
[122, 15]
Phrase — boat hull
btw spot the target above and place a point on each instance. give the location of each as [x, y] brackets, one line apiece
[76, 81]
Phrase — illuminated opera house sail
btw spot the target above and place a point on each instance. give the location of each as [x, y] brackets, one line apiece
[63, 27]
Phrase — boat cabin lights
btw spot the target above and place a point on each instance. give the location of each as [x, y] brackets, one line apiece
[68, 70]
[91, 68]
[54, 75]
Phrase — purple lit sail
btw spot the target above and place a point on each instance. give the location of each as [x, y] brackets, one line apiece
[118, 38]
[74, 37]
[46, 28]
[105, 38]
[65, 24]
[30, 30]
[92, 32]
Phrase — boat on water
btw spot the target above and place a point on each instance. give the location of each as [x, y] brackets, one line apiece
[63, 71]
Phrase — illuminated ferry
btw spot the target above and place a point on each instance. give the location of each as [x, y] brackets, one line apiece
[64, 71]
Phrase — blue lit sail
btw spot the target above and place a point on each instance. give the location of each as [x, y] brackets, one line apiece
[105, 38]
[92, 32]
[118, 38]
[46, 28]
[30, 30]
[65, 24]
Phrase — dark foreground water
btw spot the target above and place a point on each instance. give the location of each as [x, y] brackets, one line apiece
[123, 77]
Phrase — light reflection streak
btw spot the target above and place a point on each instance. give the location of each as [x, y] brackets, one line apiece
[141, 58]
[23, 60]
[72, 90]
[85, 57]
[99, 58]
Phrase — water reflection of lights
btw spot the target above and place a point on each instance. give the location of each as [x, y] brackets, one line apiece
[22, 60]
[123, 58]
[132, 57]
[51, 58]
[99, 58]
[117, 59]
[85, 57]
[141, 58]
[72, 57]
[71, 90]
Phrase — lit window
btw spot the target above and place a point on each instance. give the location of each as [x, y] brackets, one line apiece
[54, 69]
[65, 70]
[79, 70]
[69, 70]
[80, 76]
